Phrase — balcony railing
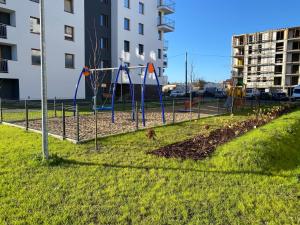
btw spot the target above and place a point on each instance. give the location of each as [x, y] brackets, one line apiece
[3, 31]
[166, 3]
[164, 21]
[3, 66]
[166, 45]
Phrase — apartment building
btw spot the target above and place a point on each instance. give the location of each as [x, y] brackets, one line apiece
[269, 60]
[20, 48]
[138, 37]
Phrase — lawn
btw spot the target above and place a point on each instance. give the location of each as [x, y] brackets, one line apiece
[254, 179]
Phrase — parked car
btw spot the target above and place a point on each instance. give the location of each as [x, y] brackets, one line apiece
[265, 96]
[296, 93]
[220, 94]
[280, 96]
[176, 94]
[252, 93]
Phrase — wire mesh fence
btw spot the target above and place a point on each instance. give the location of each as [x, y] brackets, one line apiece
[81, 122]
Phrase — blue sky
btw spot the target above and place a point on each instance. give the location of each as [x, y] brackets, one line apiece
[204, 28]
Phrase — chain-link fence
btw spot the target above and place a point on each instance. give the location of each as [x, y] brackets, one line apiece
[80, 123]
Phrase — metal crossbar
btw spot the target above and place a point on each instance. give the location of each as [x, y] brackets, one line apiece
[116, 68]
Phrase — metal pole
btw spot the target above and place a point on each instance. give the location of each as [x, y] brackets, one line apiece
[26, 116]
[54, 106]
[186, 73]
[77, 124]
[136, 116]
[63, 121]
[1, 111]
[44, 82]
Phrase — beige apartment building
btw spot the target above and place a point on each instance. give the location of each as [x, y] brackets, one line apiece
[268, 61]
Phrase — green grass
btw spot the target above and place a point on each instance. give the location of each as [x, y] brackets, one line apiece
[254, 179]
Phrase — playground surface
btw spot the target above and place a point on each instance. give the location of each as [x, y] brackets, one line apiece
[254, 179]
[123, 121]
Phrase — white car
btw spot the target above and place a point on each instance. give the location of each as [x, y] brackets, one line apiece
[176, 94]
[252, 93]
[296, 93]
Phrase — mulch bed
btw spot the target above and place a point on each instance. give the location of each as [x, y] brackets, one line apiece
[203, 146]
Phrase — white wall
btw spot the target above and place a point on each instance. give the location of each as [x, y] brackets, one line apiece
[149, 39]
[61, 81]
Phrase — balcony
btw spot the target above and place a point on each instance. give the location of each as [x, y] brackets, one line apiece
[165, 24]
[166, 6]
[3, 1]
[3, 31]
[166, 45]
[3, 66]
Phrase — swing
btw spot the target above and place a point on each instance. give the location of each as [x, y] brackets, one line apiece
[107, 96]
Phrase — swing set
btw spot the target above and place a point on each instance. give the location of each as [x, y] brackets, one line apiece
[149, 69]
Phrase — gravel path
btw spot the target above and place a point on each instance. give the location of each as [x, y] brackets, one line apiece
[123, 122]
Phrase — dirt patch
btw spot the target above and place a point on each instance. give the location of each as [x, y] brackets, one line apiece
[202, 146]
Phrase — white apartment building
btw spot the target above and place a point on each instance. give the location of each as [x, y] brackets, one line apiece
[269, 60]
[20, 48]
[138, 36]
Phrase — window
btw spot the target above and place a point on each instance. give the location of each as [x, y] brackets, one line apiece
[126, 46]
[249, 61]
[104, 20]
[296, 45]
[104, 43]
[69, 33]
[250, 50]
[294, 80]
[279, 58]
[159, 53]
[295, 57]
[34, 25]
[280, 35]
[278, 69]
[259, 60]
[141, 49]
[127, 4]
[126, 24]
[159, 35]
[141, 8]
[159, 71]
[250, 39]
[277, 80]
[295, 69]
[36, 57]
[69, 61]
[69, 6]
[279, 47]
[259, 49]
[141, 28]
[126, 64]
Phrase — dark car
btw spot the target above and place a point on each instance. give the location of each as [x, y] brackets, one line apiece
[265, 96]
[280, 96]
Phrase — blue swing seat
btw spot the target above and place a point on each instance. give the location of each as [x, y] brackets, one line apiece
[103, 108]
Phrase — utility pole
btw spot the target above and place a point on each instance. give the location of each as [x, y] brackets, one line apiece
[44, 82]
[186, 73]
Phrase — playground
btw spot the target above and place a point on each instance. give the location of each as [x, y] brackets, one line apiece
[82, 127]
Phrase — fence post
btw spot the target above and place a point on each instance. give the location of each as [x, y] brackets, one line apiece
[1, 111]
[54, 105]
[26, 116]
[63, 121]
[173, 110]
[199, 103]
[96, 123]
[136, 116]
[77, 124]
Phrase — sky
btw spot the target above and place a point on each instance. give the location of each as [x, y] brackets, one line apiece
[204, 29]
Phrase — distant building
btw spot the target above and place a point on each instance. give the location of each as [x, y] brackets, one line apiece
[269, 60]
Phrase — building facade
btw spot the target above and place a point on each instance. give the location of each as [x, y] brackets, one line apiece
[268, 61]
[138, 37]
[20, 48]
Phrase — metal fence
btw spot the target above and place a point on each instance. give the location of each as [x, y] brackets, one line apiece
[80, 123]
